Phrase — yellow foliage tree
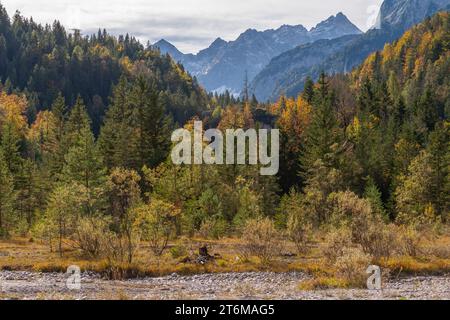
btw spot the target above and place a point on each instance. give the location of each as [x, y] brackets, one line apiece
[12, 110]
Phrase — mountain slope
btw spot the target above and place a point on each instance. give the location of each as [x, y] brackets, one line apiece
[44, 61]
[333, 27]
[224, 64]
[395, 17]
[416, 62]
[166, 47]
[284, 69]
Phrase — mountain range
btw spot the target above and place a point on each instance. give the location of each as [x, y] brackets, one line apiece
[278, 61]
[286, 73]
[225, 65]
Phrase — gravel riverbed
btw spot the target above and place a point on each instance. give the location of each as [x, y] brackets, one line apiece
[261, 285]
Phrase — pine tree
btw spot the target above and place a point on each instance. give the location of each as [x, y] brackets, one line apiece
[151, 124]
[323, 133]
[373, 194]
[117, 135]
[77, 122]
[293, 123]
[29, 191]
[7, 196]
[84, 165]
[427, 110]
[10, 143]
[56, 157]
[366, 97]
[308, 91]
[439, 150]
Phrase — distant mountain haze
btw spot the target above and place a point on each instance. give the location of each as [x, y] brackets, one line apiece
[223, 65]
[286, 73]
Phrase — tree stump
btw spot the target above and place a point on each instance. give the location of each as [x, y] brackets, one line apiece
[203, 255]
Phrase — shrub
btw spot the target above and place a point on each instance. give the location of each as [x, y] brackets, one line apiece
[178, 251]
[248, 204]
[261, 239]
[120, 249]
[202, 212]
[352, 265]
[348, 207]
[380, 240]
[410, 240]
[299, 221]
[157, 223]
[335, 243]
[214, 228]
[367, 228]
[300, 232]
[428, 222]
[90, 236]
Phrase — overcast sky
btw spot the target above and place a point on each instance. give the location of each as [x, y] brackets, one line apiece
[191, 25]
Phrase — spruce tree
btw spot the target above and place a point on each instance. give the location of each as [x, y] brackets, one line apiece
[77, 122]
[56, 157]
[84, 166]
[323, 133]
[308, 92]
[83, 163]
[152, 126]
[10, 143]
[439, 150]
[117, 134]
[7, 196]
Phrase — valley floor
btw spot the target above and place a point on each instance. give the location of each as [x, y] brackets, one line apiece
[28, 270]
[255, 285]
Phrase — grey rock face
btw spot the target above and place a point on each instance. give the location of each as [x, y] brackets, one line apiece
[223, 65]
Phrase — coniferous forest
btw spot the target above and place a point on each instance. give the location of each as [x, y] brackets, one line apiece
[85, 168]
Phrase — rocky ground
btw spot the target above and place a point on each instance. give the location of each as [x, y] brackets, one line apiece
[29, 285]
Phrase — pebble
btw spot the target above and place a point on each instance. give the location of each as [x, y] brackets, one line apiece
[250, 285]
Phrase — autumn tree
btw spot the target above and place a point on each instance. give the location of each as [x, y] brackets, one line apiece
[293, 123]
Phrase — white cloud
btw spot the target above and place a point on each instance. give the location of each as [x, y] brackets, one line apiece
[189, 24]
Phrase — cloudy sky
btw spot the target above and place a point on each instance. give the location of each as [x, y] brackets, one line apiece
[191, 24]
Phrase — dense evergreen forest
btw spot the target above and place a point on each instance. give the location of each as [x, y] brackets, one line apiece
[85, 138]
[45, 61]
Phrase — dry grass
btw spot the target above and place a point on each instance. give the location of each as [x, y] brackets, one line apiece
[21, 254]
[323, 283]
[417, 266]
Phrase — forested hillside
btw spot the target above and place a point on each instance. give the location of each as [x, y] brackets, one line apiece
[44, 61]
[286, 74]
[380, 126]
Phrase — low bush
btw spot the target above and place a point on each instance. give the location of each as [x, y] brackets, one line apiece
[352, 265]
[178, 251]
[91, 236]
[335, 243]
[261, 239]
[410, 240]
[156, 223]
[366, 227]
[300, 232]
[213, 228]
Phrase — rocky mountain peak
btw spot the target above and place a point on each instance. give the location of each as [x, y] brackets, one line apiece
[333, 27]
